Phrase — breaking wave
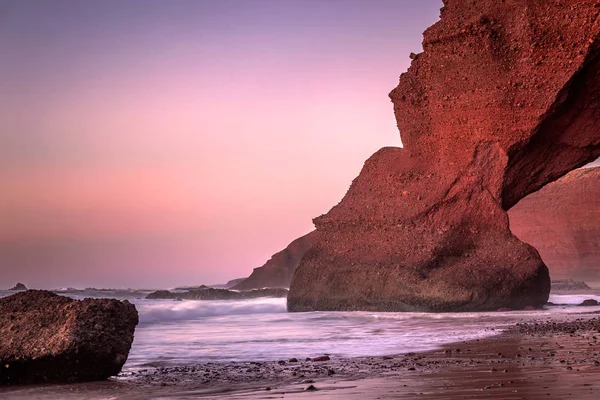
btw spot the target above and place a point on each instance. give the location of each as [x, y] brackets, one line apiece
[154, 311]
[571, 299]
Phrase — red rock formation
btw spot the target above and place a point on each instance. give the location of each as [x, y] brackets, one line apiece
[51, 338]
[278, 271]
[503, 100]
[562, 221]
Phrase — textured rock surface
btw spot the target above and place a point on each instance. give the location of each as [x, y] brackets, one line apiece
[51, 338]
[503, 100]
[562, 221]
[278, 271]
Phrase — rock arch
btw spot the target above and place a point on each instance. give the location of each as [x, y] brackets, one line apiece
[504, 99]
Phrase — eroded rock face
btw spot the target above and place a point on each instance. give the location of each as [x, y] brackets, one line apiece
[504, 99]
[51, 338]
[562, 221]
[278, 271]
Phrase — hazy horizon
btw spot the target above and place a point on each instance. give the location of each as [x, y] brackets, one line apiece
[157, 144]
[152, 144]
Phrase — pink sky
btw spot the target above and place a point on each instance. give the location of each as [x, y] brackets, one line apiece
[148, 145]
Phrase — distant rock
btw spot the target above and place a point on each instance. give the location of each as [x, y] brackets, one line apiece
[278, 271]
[201, 287]
[163, 294]
[569, 285]
[233, 282]
[52, 338]
[588, 303]
[562, 221]
[19, 286]
[218, 294]
[227, 285]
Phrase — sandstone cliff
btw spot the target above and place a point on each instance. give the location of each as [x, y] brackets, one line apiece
[562, 221]
[503, 100]
[278, 271]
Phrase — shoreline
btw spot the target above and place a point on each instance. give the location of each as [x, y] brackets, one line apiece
[558, 358]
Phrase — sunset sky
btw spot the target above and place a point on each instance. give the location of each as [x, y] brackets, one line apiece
[162, 143]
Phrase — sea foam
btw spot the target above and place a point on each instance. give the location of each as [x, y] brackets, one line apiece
[571, 298]
[155, 311]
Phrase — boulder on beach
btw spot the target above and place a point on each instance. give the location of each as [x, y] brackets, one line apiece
[19, 286]
[52, 338]
[500, 103]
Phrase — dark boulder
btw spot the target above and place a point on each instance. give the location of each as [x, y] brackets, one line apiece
[50, 338]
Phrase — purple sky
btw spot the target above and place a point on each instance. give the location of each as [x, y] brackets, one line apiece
[161, 143]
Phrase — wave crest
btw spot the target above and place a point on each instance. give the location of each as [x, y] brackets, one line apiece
[153, 311]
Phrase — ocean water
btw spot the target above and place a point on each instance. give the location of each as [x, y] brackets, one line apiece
[191, 332]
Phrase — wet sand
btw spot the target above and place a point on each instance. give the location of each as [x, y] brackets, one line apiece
[538, 360]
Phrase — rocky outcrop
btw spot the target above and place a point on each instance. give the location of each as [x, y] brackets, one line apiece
[569, 285]
[230, 284]
[503, 100]
[218, 294]
[51, 338]
[588, 303]
[562, 221]
[278, 271]
[19, 286]
[184, 288]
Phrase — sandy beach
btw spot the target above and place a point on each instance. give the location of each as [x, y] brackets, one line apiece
[545, 359]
